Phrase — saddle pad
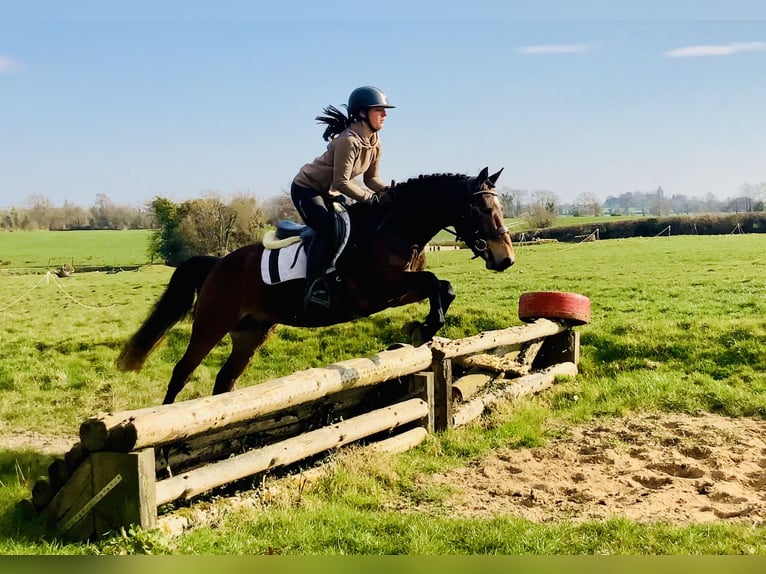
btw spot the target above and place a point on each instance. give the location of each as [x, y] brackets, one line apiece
[284, 260]
[284, 264]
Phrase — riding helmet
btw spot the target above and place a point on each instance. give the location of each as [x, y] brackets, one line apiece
[367, 97]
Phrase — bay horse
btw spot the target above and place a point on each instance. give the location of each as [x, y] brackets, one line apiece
[381, 266]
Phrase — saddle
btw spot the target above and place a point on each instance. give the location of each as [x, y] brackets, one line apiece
[286, 247]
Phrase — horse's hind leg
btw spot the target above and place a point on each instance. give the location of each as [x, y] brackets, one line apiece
[202, 341]
[246, 337]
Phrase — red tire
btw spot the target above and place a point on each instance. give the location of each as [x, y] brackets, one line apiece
[571, 308]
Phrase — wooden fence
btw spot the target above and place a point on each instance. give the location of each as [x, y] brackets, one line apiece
[128, 464]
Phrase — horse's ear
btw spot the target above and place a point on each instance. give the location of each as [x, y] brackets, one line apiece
[494, 176]
[483, 175]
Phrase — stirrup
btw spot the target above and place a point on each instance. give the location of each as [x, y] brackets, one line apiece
[318, 294]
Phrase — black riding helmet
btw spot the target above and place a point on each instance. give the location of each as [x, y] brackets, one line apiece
[366, 97]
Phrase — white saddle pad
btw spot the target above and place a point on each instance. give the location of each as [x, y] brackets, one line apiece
[288, 262]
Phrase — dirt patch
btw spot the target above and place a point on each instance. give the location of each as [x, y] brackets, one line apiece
[35, 441]
[668, 468]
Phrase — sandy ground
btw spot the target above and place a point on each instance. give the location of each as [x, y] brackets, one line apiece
[34, 441]
[668, 468]
[672, 468]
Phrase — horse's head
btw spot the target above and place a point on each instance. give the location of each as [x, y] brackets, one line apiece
[481, 225]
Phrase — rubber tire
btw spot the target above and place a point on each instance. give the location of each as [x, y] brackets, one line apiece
[571, 308]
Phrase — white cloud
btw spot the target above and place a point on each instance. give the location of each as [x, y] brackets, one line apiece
[553, 49]
[716, 50]
[7, 64]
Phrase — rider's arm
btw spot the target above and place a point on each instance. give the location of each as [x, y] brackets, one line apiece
[371, 177]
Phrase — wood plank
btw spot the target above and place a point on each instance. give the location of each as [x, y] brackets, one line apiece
[288, 451]
[492, 339]
[130, 501]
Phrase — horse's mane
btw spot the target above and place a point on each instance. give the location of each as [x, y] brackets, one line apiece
[419, 183]
[420, 180]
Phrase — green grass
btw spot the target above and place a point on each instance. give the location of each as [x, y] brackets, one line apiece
[693, 307]
[24, 251]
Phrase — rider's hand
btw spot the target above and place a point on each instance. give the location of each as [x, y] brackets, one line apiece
[373, 200]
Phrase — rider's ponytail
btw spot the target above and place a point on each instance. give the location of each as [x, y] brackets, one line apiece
[336, 122]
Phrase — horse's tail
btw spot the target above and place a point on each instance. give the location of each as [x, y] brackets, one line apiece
[174, 304]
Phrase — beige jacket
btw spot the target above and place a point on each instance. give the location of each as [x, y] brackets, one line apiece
[353, 152]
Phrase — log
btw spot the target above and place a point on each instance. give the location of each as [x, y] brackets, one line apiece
[58, 473]
[504, 359]
[184, 455]
[468, 385]
[491, 339]
[74, 456]
[528, 354]
[528, 384]
[401, 442]
[288, 451]
[42, 493]
[161, 425]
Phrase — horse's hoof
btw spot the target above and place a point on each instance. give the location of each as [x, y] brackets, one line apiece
[411, 327]
[414, 330]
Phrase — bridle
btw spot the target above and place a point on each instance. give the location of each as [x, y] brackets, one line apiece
[476, 239]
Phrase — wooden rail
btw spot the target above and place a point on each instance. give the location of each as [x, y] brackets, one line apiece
[129, 463]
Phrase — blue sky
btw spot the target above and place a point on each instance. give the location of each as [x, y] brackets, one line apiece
[179, 99]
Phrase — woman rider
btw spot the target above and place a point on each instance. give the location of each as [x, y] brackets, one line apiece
[354, 150]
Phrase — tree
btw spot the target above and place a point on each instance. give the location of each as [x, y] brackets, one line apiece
[587, 203]
[507, 198]
[280, 207]
[207, 226]
[40, 213]
[167, 242]
[250, 219]
[542, 209]
[204, 226]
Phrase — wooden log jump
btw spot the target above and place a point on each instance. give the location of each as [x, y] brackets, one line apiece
[131, 462]
[156, 426]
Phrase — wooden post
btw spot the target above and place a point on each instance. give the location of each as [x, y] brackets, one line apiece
[422, 386]
[442, 369]
[560, 348]
[107, 491]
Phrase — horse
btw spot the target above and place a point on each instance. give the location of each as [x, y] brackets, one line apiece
[381, 266]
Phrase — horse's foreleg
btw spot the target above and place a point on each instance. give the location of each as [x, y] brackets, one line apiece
[419, 285]
[246, 337]
[447, 294]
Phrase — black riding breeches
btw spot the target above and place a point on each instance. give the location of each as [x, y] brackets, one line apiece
[313, 210]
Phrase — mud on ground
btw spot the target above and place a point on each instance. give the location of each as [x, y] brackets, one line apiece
[670, 468]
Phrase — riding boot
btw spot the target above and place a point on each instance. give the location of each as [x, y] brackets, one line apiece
[317, 292]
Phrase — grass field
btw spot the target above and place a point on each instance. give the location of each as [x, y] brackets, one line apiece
[692, 306]
[26, 251]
